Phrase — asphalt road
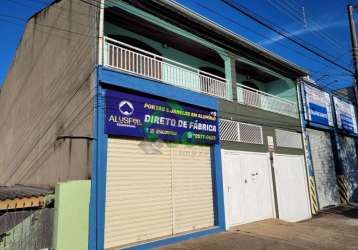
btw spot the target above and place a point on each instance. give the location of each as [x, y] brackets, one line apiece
[333, 229]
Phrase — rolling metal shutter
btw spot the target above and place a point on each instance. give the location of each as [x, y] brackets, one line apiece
[138, 194]
[156, 195]
[348, 158]
[324, 169]
[193, 196]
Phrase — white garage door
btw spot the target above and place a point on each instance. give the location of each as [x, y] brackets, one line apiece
[291, 187]
[348, 158]
[156, 195]
[248, 187]
[324, 169]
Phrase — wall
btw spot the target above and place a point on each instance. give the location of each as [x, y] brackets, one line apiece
[268, 120]
[47, 93]
[241, 78]
[282, 88]
[72, 200]
[348, 160]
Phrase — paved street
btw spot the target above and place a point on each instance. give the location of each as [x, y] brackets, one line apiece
[334, 229]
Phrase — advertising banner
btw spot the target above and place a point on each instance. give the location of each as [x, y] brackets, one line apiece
[346, 117]
[146, 117]
[317, 106]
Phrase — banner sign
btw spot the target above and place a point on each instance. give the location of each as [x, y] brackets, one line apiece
[317, 106]
[145, 117]
[346, 118]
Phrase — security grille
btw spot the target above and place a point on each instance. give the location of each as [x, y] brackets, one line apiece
[288, 139]
[240, 132]
[228, 130]
[250, 133]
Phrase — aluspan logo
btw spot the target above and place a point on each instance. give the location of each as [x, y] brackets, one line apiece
[126, 108]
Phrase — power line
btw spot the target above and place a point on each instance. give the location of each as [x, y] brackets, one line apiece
[337, 58]
[24, 21]
[66, 102]
[96, 4]
[265, 36]
[289, 36]
[245, 27]
[280, 43]
[288, 10]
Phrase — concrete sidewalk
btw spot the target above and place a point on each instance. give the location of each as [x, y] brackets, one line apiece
[333, 229]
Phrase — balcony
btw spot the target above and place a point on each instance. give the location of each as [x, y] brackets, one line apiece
[259, 99]
[132, 60]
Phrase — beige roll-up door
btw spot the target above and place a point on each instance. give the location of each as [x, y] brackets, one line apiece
[156, 195]
[138, 194]
[192, 188]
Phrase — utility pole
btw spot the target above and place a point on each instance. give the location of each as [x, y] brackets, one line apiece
[352, 26]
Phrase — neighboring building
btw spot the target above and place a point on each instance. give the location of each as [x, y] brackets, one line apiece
[130, 95]
[331, 132]
[347, 93]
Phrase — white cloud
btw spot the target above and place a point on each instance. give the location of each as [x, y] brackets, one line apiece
[277, 38]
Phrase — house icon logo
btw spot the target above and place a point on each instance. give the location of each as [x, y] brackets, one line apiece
[126, 108]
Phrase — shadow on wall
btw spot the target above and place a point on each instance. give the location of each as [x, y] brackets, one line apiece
[324, 168]
[348, 158]
[354, 197]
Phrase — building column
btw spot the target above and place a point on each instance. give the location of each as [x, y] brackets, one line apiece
[230, 75]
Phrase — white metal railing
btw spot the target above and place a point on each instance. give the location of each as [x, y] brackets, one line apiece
[127, 58]
[263, 100]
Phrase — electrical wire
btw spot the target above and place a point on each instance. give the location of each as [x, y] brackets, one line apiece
[66, 101]
[280, 43]
[84, 1]
[289, 36]
[317, 28]
[262, 35]
[96, 4]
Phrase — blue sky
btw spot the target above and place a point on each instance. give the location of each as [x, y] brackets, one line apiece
[325, 28]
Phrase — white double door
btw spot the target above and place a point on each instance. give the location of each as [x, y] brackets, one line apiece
[248, 187]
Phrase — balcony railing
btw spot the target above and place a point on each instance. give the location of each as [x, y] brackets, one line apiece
[127, 58]
[265, 101]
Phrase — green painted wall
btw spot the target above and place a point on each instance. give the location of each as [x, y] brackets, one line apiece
[268, 120]
[282, 88]
[72, 201]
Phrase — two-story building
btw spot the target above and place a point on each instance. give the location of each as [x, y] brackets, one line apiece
[182, 127]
